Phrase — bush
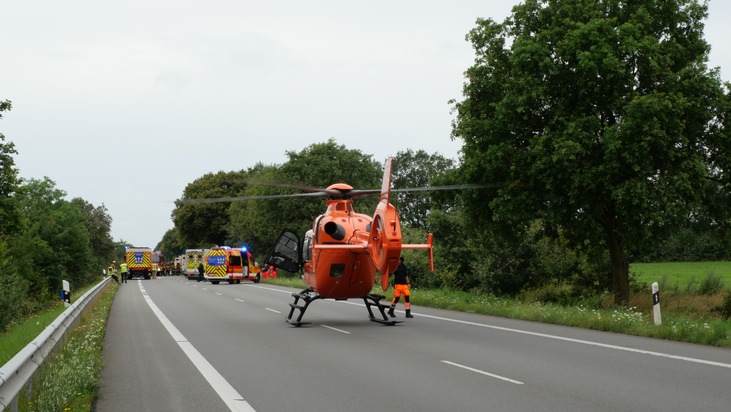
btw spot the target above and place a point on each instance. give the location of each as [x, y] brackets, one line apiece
[711, 284]
[725, 308]
[13, 299]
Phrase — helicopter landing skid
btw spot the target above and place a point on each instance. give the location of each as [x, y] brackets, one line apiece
[375, 300]
[308, 297]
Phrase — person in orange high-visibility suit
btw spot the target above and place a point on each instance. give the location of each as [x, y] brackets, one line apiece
[265, 272]
[401, 284]
[272, 272]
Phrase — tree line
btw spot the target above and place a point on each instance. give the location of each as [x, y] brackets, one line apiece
[596, 127]
[44, 239]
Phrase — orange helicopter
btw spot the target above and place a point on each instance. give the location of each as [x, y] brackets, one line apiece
[342, 252]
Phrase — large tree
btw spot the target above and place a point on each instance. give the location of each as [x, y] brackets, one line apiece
[317, 166]
[8, 182]
[99, 225]
[415, 170]
[204, 225]
[600, 115]
[54, 243]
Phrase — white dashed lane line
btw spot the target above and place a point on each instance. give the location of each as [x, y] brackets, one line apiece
[336, 329]
[492, 375]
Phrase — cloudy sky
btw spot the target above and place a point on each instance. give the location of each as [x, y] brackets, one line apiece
[124, 103]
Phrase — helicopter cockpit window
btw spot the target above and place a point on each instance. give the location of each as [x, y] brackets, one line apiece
[307, 247]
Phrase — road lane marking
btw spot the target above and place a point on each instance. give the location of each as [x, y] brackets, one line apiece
[583, 342]
[204, 288]
[219, 293]
[555, 337]
[336, 329]
[229, 395]
[289, 292]
[273, 310]
[240, 300]
[484, 373]
[565, 339]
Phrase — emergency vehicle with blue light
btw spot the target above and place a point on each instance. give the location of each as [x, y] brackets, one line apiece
[232, 265]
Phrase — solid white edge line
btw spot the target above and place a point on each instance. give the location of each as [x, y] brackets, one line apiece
[336, 329]
[583, 342]
[228, 394]
[483, 372]
[565, 339]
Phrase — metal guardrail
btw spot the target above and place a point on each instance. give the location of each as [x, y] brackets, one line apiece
[19, 370]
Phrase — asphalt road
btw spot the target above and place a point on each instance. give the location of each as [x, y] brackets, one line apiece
[174, 345]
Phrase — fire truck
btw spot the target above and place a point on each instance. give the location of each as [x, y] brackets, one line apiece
[231, 265]
[157, 262]
[139, 261]
[193, 257]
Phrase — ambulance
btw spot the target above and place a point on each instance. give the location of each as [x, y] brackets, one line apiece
[254, 269]
[193, 257]
[232, 265]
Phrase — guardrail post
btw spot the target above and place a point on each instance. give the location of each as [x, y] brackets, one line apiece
[656, 304]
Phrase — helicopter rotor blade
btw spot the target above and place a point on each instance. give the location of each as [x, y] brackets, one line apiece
[450, 187]
[339, 194]
[358, 193]
[261, 197]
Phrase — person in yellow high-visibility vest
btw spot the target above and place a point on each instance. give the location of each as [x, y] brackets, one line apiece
[123, 271]
[112, 271]
[154, 270]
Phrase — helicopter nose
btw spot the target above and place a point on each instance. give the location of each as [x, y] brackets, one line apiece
[334, 230]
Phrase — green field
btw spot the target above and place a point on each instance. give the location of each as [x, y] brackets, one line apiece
[679, 274]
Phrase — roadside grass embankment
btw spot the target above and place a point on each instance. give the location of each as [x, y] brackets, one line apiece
[23, 333]
[69, 378]
[695, 311]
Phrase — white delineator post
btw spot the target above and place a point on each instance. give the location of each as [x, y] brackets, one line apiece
[656, 304]
[66, 293]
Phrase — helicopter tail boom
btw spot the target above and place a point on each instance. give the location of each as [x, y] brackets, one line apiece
[428, 246]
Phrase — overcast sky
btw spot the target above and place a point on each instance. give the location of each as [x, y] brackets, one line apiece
[125, 103]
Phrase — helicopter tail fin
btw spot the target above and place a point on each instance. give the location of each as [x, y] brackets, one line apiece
[385, 238]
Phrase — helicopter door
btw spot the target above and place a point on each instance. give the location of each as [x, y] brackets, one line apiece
[285, 253]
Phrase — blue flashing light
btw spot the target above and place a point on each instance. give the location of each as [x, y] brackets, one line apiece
[243, 248]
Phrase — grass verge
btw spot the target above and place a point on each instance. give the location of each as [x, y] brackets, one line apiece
[20, 335]
[68, 380]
